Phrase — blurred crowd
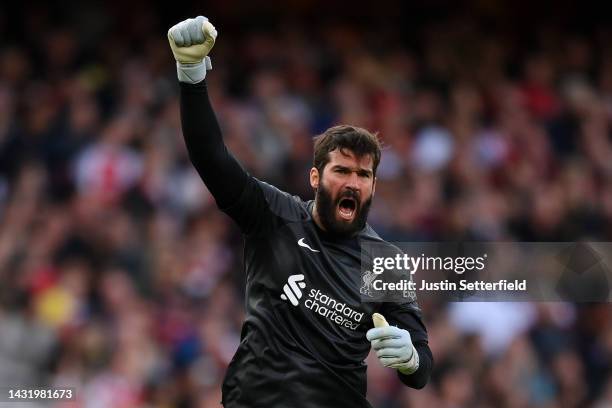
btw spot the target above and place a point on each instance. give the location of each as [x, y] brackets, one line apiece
[120, 277]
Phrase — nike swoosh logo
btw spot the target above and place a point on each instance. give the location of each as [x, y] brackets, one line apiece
[305, 245]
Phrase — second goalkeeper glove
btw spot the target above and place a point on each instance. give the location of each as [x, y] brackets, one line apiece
[191, 40]
[393, 346]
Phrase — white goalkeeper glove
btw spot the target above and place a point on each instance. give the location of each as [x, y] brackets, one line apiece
[393, 346]
[191, 40]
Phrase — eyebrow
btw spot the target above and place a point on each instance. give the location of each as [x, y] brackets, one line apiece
[359, 169]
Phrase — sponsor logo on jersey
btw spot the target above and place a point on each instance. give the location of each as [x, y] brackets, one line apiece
[293, 289]
[305, 245]
[321, 303]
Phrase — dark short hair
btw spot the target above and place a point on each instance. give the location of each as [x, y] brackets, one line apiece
[359, 141]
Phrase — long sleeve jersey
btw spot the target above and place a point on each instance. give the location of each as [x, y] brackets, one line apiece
[303, 342]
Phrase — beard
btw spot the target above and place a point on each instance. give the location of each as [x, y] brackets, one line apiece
[326, 209]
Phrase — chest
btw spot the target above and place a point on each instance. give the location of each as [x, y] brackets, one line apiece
[316, 278]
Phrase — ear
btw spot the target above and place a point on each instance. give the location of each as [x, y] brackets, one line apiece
[374, 186]
[314, 178]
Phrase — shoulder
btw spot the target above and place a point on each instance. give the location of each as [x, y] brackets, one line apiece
[369, 236]
[374, 246]
[283, 204]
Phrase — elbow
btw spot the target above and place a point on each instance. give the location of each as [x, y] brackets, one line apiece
[199, 159]
[420, 383]
[418, 380]
[206, 157]
[192, 156]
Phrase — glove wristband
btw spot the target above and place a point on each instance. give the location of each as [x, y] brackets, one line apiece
[193, 73]
[411, 365]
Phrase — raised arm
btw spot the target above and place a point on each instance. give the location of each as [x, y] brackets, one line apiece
[220, 171]
[191, 41]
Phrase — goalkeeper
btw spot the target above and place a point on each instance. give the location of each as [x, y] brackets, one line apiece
[306, 333]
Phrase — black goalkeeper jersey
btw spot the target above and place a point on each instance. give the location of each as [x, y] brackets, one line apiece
[303, 343]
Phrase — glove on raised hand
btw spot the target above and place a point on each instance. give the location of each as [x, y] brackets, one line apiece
[393, 346]
[191, 40]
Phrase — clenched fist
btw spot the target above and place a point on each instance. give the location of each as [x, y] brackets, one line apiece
[191, 40]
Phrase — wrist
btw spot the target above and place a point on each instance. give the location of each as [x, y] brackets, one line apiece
[193, 73]
[411, 365]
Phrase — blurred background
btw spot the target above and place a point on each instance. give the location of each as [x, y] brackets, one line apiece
[120, 277]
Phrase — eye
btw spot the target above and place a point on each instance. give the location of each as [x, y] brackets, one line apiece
[364, 174]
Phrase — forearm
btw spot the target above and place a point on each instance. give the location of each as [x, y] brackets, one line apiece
[420, 377]
[219, 170]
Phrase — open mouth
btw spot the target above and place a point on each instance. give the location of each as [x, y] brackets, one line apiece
[346, 208]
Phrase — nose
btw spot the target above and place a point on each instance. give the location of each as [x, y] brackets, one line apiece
[353, 182]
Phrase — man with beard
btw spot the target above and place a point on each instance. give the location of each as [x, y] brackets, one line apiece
[307, 332]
